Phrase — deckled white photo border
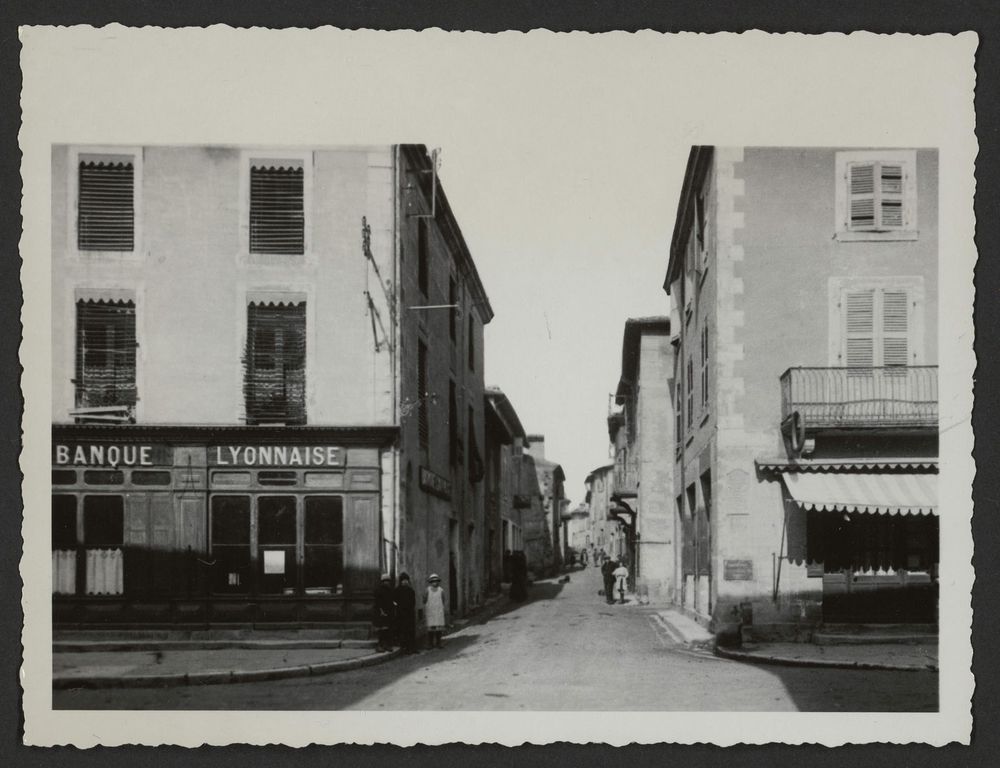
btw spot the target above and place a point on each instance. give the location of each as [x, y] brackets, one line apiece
[116, 85]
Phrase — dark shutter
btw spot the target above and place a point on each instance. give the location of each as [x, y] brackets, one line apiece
[277, 212]
[105, 206]
[274, 384]
[105, 354]
[423, 423]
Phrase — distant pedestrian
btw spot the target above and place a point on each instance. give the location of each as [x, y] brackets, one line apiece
[384, 617]
[434, 602]
[620, 575]
[406, 614]
[609, 581]
[583, 557]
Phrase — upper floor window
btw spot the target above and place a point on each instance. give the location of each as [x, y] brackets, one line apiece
[876, 195]
[423, 418]
[423, 256]
[106, 204]
[105, 191]
[689, 388]
[277, 207]
[704, 366]
[878, 322]
[105, 357]
[472, 343]
[274, 384]
[453, 309]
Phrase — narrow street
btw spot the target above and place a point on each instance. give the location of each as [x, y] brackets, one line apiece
[565, 649]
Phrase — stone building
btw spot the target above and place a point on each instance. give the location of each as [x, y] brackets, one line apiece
[504, 447]
[642, 439]
[607, 533]
[804, 313]
[542, 519]
[267, 384]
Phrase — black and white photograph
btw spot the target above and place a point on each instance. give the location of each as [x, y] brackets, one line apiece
[526, 387]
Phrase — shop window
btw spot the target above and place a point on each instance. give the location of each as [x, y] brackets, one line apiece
[64, 544]
[150, 477]
[105, 357]
[103, 536]
[231, 543]
[106, 203]
[323, 566]
[63, 477]
[274, 383]
[277, 207]
[276, 536]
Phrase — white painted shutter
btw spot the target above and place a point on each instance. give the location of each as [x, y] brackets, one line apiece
[890, 198]
[861, 195]
[895, 328]
[859, 331]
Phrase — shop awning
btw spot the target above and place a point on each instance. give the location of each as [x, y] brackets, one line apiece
[868, 493]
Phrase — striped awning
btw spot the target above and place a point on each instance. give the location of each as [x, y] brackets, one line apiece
[868, 493]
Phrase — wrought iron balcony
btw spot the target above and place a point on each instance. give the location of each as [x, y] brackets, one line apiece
[859, 398]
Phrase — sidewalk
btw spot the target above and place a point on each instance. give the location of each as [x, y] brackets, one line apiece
[890, 656]
[122, 660]
[847, 652]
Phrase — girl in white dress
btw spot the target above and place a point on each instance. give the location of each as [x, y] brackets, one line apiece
[434, 602]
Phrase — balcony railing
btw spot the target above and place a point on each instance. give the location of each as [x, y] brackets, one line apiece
[626, 480]
[861, 397]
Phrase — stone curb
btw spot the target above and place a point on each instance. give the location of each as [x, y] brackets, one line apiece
[216, 678]
[757, 658]
[149, 646]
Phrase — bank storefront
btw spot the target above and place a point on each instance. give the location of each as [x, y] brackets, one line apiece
[202, 525]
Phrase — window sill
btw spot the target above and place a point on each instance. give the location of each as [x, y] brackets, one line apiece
[110, 256]
[278, 260]
[862, 236]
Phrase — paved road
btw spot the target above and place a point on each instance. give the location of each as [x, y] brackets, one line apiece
[563, 650]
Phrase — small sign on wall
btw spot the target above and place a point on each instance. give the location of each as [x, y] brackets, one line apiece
[274, 561]
[738, 570]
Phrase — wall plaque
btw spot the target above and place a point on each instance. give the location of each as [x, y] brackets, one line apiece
[738, 570]
[434, 483]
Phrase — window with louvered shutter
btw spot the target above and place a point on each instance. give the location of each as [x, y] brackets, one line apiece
[106, 204]
[274, 383]
[277, 208]
[105, 354]
[895, 329]
[423, 419]
[690, 393]
[859, 339]
[877, 329]
[875, 196]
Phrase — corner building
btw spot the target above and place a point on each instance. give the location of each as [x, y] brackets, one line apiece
[804, 318]
[255, 355]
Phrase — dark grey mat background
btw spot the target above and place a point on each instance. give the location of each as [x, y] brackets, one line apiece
[914, 16]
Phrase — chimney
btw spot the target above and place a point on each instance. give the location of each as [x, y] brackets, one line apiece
[536, 446]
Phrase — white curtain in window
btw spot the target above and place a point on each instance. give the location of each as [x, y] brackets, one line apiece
[104, 572]
[64, 572]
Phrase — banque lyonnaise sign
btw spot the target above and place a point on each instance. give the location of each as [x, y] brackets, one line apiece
[276, 456]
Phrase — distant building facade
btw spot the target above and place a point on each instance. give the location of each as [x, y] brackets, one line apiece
[504, 447]
[804, 314]
[607, 532]
[542, 519]
[256, 407]
[642, 439]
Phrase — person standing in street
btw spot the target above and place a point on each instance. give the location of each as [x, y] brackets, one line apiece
[385, 613]
[620, 575]
[406, 614]
[434, 608]
[609, 581]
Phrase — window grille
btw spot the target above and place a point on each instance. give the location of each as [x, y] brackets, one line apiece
[274, 382]
[105, 354]
[277, 210]
[106, 206]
